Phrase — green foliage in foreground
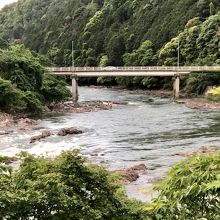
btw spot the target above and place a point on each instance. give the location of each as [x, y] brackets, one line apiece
[24, 87]
[191, 190]
[69, 188]
[63, 188]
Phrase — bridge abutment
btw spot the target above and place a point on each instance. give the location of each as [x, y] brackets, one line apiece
[75, 94]
[176, 87]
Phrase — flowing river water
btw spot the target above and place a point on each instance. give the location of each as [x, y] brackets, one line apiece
[148, 130]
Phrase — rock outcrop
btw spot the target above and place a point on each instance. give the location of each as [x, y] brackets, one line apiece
[25, 124]
[66, 131]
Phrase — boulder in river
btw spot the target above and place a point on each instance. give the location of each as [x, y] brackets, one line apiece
[139, 167]
[5, 132]
[66, 131]
[131, 174]
[43, 135]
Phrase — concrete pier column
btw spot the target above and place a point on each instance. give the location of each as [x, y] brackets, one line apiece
[176, 87]
[75, 94]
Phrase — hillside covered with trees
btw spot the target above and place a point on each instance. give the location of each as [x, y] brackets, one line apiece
[107, 30]
[117, 33]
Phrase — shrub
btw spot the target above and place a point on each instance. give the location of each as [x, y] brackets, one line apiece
[107, 81]
[197, 83]
[11, 97]
[18, 65]
[26, 87]
[33, 103]
[214, 94]
[191, 190]
[54, 89]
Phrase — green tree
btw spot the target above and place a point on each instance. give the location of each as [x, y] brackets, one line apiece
[11, 97]
[63, 188]
[115, 50]
[212, 8]
[143, 56]
[54, 89]
[25, 77]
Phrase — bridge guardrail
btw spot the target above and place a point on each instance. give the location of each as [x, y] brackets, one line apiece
[135, 68]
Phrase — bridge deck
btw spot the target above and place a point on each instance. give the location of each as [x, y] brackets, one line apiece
[130, 71]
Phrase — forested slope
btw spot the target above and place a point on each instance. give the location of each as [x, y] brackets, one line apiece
[116, 33]
[98, 27]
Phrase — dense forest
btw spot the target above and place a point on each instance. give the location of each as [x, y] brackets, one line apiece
[116, 33]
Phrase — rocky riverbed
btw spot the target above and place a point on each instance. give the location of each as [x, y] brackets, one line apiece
[86, 106]
[201, 103]
[8, 123]
[22, 122]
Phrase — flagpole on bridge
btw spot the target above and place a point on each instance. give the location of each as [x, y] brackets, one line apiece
[178, 54]
[73, 63]
[74, 79]
[176, 85]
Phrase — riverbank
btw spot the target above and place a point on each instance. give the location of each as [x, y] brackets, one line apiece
[198, 102]
[9, 122]
[25, 122]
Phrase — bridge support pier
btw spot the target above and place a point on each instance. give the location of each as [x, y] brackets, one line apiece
[75, 94]
[176, 87]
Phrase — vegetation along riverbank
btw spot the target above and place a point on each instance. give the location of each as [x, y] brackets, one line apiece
[67, 187]
[35, 34]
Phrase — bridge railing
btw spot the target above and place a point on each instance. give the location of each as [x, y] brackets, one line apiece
[135, 68]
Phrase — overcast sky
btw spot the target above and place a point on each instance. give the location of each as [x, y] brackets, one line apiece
[5, 2]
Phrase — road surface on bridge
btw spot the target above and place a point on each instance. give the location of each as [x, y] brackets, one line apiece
[130, 71]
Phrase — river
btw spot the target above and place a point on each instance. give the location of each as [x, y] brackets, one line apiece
[148, 130]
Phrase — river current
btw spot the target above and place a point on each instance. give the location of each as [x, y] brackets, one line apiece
[148, 130]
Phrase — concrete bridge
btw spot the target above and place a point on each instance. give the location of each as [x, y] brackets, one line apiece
[162, 71]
